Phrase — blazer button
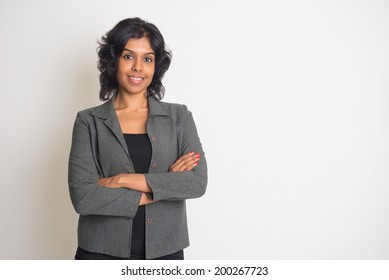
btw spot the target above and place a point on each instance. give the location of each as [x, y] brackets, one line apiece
[149, 221]
[154, 165]
[153, 138]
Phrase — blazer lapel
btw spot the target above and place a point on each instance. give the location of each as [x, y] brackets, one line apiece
[107, 112]
[155, 108]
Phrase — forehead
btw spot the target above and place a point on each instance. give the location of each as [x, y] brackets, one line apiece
[141, 45]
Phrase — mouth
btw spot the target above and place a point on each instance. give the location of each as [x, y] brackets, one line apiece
[135, 79]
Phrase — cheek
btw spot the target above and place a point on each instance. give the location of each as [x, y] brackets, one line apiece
[151, 71]
[121, 76]
[123, 67]
[119, 73]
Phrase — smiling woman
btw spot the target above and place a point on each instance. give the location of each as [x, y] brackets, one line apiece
[136, 67]
[134, 160]
[121, 42]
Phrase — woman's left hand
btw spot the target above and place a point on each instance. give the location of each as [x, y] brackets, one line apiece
[111, 182]
[185, 163]
[136, 182]
[115, 182]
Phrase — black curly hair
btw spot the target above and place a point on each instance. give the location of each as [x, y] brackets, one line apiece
[111, 46]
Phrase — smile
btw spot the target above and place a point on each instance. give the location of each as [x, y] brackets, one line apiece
[135, 78]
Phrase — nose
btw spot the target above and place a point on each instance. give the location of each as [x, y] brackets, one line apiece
[137, 66]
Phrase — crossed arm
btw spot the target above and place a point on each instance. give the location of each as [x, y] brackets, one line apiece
[137, 182]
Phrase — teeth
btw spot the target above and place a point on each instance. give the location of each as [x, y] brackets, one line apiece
[136, 79]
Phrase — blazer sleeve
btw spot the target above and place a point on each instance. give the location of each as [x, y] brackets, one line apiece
[185, 184]
[88, 198]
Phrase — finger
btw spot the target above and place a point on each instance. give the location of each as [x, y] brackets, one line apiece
[185, 157]
[186, 167]
[187, 164]
[189, 167]
[182, 159]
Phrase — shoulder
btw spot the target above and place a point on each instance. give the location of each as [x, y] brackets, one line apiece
[101, 110]
[87, 111]
[175, 110]
[173, 107]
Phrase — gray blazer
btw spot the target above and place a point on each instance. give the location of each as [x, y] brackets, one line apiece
[99, 150]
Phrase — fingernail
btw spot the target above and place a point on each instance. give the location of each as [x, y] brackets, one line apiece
[191, 153]
[194, 164]
[198, 155]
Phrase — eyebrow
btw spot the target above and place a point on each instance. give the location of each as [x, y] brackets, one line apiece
[152, 53]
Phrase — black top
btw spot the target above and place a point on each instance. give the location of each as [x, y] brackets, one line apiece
[139, 148]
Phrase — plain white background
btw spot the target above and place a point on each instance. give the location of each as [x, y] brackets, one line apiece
[291, 101]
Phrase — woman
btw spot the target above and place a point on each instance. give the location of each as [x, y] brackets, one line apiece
[134, 160]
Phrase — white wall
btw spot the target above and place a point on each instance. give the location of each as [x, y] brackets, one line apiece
[291, 102]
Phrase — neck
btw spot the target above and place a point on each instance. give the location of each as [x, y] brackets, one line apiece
[130, 101]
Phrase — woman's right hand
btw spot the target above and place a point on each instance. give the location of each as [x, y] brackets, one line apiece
[185, 163]
[144, 199]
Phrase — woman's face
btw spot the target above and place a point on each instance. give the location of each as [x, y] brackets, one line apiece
[136, 67]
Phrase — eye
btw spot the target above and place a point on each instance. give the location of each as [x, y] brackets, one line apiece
[148, 59]
[128, 56]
